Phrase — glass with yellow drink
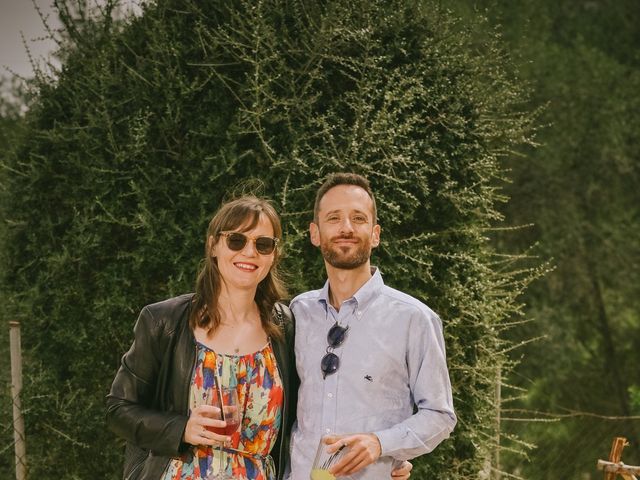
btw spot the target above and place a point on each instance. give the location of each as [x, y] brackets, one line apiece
[324, 461]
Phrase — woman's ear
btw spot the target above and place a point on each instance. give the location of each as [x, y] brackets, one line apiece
[211, 246]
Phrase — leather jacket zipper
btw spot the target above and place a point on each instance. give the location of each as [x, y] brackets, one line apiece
[136, 468]
[187, 388]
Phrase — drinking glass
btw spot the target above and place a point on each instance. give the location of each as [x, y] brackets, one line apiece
[226, 400]
[324, 461]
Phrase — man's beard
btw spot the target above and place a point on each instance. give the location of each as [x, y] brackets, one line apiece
[346, 261]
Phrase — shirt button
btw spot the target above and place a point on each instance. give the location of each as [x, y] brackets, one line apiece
[328, 430]
[330, 395]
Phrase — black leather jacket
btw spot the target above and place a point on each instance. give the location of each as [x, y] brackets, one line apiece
[148, 402]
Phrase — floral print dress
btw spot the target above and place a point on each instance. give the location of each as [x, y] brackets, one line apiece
[260, 397]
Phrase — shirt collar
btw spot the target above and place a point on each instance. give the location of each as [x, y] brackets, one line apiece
[365, 294]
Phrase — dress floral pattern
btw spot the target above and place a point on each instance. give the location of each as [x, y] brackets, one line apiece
[260, 397]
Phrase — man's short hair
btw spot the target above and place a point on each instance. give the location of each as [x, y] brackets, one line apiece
[336, 179]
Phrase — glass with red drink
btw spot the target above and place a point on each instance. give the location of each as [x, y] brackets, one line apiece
[225, 399]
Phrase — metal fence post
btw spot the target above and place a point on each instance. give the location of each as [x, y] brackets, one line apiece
[16, 388]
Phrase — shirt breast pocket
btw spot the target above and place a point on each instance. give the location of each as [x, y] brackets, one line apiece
[383, 371]
[381, 386]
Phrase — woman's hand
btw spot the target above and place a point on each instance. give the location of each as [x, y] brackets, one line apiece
[196, 431]
[402, 472]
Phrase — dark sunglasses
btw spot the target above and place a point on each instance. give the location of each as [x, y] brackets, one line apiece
[236, 241]
[331, 362]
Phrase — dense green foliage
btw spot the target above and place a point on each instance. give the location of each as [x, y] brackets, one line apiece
[11, 101]
[150, 124]
[580, 191]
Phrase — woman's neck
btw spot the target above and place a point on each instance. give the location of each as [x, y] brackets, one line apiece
[238, 306]
[240, 329]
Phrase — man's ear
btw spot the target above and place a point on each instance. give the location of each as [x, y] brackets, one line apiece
[375, 235]
[314, 234]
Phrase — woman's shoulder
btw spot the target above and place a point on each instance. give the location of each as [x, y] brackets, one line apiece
[171, 303]
[283, 317]
[282, 314]
[170, 312]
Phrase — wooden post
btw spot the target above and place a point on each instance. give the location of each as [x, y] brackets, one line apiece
[16, 388]
[615, 455]
[614, 466]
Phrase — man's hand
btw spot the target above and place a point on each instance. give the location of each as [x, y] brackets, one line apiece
[362, 449]
[403, 471]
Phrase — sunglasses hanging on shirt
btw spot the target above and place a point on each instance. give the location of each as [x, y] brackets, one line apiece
[331, 362]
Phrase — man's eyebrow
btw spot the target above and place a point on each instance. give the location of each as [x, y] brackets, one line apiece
[338, 210]
[363, 212]
[332, 212]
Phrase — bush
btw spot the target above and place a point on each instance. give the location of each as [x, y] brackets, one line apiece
[153, 121]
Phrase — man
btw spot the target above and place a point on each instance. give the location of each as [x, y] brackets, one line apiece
[366, 354]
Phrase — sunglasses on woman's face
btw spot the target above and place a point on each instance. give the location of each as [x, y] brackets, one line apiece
[331, 362]
[236, 241]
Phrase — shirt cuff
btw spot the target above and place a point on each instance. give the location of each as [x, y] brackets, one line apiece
[389, 440]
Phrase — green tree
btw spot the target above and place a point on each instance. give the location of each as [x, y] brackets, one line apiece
[580, 191]
[12, 98]
[151, 123]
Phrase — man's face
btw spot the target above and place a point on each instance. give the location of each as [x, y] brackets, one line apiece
[346, 230]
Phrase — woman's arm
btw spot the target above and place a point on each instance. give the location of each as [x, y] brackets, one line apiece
[130, 412]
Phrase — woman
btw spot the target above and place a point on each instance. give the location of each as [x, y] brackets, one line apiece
[227, 332]
[230, 333]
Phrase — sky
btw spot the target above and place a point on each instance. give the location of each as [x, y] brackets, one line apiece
[21, 16]
[18, 16]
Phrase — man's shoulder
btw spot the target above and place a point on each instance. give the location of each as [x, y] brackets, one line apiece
[398, 299]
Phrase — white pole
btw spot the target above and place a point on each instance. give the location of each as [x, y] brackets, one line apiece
[16, 388]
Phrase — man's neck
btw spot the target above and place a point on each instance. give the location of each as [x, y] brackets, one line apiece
[343, 284]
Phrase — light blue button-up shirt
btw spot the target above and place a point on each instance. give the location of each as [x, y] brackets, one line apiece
[392, 359]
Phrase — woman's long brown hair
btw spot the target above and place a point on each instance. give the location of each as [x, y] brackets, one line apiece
[243, 213]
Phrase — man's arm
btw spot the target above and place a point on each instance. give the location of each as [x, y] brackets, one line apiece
[431, 389]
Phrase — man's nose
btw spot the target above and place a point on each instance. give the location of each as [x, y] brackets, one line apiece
[346, 226]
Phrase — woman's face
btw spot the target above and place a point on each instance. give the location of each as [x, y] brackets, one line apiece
[246, 268]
